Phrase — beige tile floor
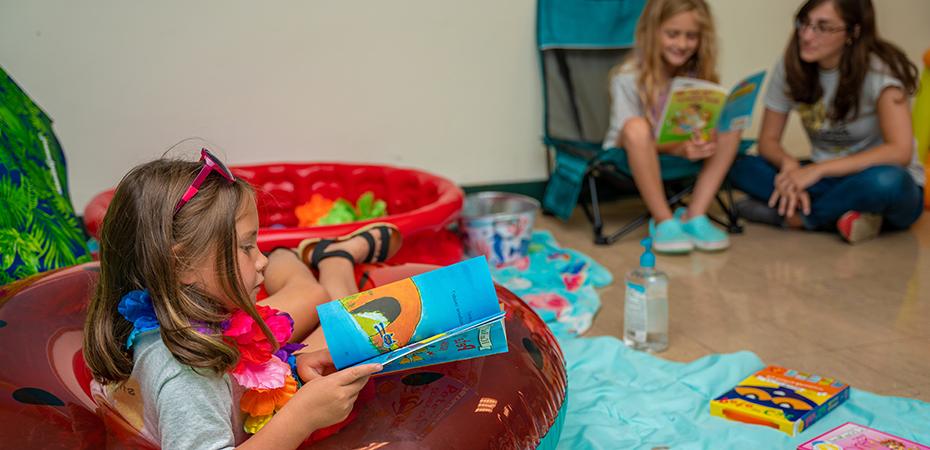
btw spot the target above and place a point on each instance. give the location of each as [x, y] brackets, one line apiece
[803, 300]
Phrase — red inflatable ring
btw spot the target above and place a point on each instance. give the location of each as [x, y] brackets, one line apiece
[511, 400]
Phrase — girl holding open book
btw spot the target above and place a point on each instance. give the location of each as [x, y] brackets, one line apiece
[174, 337]
[851, 89]
[673, 38]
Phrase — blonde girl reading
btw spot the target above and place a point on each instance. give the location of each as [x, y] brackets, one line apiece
[673, 38]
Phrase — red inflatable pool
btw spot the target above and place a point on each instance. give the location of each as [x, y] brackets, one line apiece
[422, 205]
[510, 400]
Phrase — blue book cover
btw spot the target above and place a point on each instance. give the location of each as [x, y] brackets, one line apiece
[737, 113]
[416, 319]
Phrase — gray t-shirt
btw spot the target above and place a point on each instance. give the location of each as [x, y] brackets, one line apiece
[831, 139]
[184, 409]
[624, 105]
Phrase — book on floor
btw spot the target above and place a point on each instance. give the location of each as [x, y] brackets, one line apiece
[448, 314]
[696, 107]
[784, 399]
[852, 436]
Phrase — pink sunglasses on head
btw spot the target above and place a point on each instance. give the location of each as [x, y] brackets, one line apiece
[210, 164]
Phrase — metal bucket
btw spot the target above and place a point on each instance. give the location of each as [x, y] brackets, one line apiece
[498, 225]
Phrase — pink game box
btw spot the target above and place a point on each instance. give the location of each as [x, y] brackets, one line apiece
[851, 436]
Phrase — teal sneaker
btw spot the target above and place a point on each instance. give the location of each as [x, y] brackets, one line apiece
[704, 235]
[668, 237]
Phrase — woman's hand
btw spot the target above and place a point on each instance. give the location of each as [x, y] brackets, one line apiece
[807, 176]
[313, 365]
[791, 201]
[791, 185]
[800, 178]
[329, 399]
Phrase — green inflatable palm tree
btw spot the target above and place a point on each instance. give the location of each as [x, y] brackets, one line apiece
[38, 228]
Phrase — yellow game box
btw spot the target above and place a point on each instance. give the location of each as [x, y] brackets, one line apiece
[784, 399]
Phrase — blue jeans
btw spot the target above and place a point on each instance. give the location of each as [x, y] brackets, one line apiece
[886, 190]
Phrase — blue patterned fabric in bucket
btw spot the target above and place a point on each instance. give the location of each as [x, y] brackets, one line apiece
[498, 225]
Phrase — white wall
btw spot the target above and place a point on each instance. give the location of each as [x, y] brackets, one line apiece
[450, 86]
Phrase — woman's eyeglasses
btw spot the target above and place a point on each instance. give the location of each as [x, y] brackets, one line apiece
[818, 28]
[210, 164]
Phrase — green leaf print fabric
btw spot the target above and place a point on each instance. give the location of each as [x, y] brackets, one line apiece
[38, 228]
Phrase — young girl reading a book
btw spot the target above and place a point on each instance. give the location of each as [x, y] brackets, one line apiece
[851, 89]
[174, 321]
[673, 38]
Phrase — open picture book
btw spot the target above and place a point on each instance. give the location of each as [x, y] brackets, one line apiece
[448, 314]
[697, 107]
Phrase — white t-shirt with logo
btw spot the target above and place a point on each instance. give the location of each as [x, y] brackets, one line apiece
[829, 139]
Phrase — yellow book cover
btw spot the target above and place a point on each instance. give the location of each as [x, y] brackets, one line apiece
[784, 399]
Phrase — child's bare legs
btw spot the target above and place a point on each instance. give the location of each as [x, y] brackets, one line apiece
[643, 156]
[337, 275]
[292, 288]
[712, 174]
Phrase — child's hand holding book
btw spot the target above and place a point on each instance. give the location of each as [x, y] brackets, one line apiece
[702, 145]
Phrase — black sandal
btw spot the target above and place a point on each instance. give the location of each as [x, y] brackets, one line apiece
[385, 244]
[313, 256]
[319, 253]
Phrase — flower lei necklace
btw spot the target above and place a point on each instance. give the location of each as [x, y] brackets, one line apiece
[269, 377]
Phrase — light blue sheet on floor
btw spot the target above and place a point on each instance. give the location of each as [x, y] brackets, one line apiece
[621, 398]
[558, 283]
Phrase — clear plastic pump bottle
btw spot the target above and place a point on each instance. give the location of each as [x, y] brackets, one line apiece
[645, 309]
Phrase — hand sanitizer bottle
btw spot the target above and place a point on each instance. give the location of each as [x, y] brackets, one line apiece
[645, 310]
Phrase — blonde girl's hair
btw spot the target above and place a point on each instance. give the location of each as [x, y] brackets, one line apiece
[144, 245]
[647, 51]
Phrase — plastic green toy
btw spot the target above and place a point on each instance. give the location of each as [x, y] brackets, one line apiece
[367, 207]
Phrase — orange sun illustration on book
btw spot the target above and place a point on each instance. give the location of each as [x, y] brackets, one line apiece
[389, 314]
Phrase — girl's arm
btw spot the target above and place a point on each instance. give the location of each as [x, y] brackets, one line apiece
[317, 404]
[770, 148]
[894, 119]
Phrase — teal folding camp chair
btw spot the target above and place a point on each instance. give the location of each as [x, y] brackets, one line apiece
[579, 41]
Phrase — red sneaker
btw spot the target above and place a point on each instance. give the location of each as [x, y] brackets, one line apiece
[855, 226]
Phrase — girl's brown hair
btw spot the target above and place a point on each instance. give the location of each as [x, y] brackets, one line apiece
[647, 53]
[144, 245]
[803, 78]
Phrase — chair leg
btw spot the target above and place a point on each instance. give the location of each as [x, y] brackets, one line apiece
[732, 223]
[641, 219]
[594, 211]
[678, 198]
[736, 228]
[632, 225]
